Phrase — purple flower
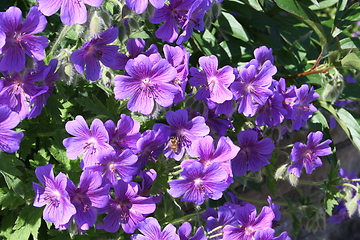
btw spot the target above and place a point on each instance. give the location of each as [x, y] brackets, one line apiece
[113, 165]
[302, 110]
[124, 135]
[135, 47]
[72, 11]
[184, 13]
[96, 51]
[341, 215]
[185, 229]
[127, 209]
[275, 208]
[139, 6]
[150, 145]
[91, 143]
[181, 132]
[151, 230]
[53, 194]
[90, 194]
[178, 57]
[308, 155]
[20, 39]
[20, 89]
[148, 80]
[248, 223]
[252, 86]
[216, 220]
[214, 82]
[198, 183]
[254, 153]
[268, 234]
[272, 113]
[9, 139]
[49, 76]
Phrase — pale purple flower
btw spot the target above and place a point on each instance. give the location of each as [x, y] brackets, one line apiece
[72, 11]
[151, 230]
[19, 38]
[254, 153]
[139, 6]
[198, 183]
[182, 131]
[53, 194]
[307, 156]
[91, 143]
[114, 166]
[178, 57]
[214, 84]
[87, 197]
[148, 80]
[9, 139]
[95, 51]
[248, 223]
[127, 209]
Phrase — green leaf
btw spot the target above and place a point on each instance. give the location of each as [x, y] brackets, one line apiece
[28, 222]
[306, 15]
[230, 25]
[329, 205]
[350, 43]
[318, 117]
[13, 183]
[9, 199]
[270, 179]
[344, 18]
[351, 61]
[9, 164]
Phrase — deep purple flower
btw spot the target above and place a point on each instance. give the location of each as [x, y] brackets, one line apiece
[91, 143]
[139, 6]
[272, 113]
[248, 223]
[216, 220]
[151, 229]
[198, 183]
[148, 80]
[268, 234]
[114, 166]
[124, 135]
[302, 109]
[275, 208]
[21, 90]
[48, 76]
[181, 132]
[252, 85]
[87, 197]
[127, 209]
[53, 194]
[95, 51]
[148, 177]
[136, 46]
[185, 230]
[180, 13]
[9, 139]
[20, 39]
[308, 155]
[214, 83]
[150, 145]
[254, 153]
[72, 11]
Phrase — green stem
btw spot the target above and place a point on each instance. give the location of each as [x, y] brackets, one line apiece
[311, 183]
[62, 34]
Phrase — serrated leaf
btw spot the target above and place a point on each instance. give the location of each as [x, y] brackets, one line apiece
[329, 205]
[8, 164]
[351, 61]
[230, 25]
[9, 199]
[13, 183]
[28, 222]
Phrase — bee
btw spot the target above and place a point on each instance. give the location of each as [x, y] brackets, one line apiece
[174, 144]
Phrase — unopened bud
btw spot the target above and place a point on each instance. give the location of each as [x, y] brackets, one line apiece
[94, 24]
